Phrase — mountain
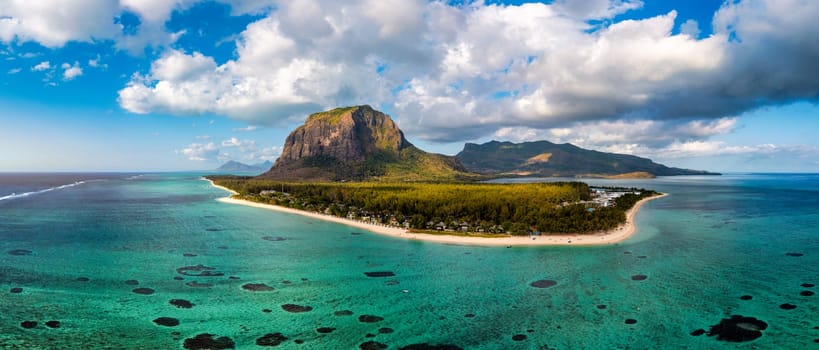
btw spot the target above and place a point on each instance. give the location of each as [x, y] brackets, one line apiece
[543, 158]
[234, 166]
[357, 143]
[265, 166]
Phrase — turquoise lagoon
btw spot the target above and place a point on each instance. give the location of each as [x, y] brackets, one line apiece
[714, 239]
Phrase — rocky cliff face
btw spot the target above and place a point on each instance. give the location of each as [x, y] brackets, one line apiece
[355, 143]
[350, 134]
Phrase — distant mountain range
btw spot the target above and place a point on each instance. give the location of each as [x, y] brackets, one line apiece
[543, 158]
[234, 166]
[359, 143]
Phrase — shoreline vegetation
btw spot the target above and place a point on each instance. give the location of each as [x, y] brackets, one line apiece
[613, 235]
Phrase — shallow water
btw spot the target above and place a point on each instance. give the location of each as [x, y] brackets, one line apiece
[711, 241]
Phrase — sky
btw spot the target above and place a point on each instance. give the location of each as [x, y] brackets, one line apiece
[166, 85]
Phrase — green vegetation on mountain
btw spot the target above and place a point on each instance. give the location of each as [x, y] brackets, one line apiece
[475, 207]
[331, 117]
[543, 158]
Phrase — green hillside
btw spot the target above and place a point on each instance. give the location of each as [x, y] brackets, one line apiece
[543, 158]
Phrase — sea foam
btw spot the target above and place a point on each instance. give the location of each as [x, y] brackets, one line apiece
[26, 194]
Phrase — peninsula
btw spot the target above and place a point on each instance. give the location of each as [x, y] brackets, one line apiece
[353, 165]
[394, 229]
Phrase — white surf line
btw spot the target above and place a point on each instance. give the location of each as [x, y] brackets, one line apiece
[26, 194]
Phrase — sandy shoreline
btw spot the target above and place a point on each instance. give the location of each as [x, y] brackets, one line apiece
[232, 192]
[616, 235]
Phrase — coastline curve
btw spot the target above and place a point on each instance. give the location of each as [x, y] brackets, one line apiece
[616, 235]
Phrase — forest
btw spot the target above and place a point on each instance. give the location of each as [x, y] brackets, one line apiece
[517, 209]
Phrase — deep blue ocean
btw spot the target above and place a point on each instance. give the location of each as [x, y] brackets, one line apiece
[114, 261]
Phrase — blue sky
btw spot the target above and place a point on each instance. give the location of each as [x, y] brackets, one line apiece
[131, 85]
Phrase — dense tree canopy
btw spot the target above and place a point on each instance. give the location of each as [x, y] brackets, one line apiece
[478, 207]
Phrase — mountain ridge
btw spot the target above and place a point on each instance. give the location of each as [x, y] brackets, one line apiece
[544, 158]
[234, 166]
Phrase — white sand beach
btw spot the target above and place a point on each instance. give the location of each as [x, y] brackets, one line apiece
[232, 192]
[616, 235]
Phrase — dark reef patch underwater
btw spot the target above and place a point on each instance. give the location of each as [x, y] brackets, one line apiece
[181, 303]
[206, 341]
[296, 308]
[19, 252]
[370, 319]
[738, 328]
[167, 321]
[380, 274]
[271, 339]
[257, 287]
[543, 283]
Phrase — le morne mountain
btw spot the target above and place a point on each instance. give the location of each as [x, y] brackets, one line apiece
[354, 144]
[359, 143]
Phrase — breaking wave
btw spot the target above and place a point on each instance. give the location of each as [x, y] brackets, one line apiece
[26, 194]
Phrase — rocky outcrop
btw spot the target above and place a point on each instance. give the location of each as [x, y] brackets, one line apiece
[350, 134]
[355, 143]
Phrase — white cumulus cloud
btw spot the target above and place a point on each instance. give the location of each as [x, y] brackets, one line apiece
[233, 148]
[201, 151]
[713, 148]
[247, 128]
[52, 23]
[463, 72]
[597, 9]
[71, 71]
[234, 142]
[690, 28]
[45, 65]
[445, 64]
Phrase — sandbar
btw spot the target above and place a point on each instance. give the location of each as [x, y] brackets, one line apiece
[615, 235]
